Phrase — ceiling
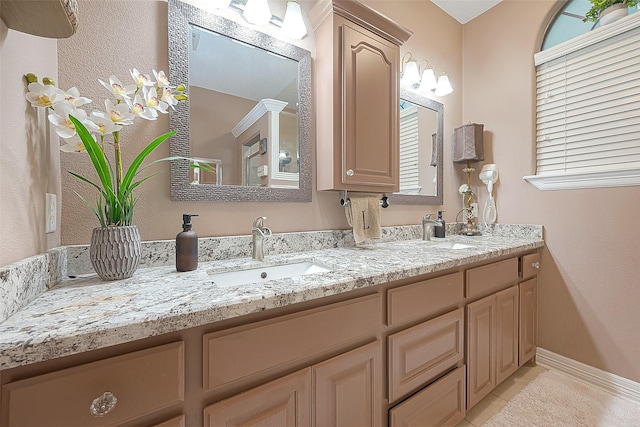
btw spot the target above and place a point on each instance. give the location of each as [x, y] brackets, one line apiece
[465, 10]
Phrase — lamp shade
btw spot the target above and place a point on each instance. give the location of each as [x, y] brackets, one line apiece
[293, 25]
[428, 81]
[468, 143]
[443, 87]
[257, 12]
[411, 74]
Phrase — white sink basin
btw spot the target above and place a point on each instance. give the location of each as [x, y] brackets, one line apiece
[264, 274]
[449, 245]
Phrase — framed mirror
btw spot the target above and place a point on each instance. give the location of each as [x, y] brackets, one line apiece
[421, 143]
[248, 115]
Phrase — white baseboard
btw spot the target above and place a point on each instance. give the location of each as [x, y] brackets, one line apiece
[612, 383]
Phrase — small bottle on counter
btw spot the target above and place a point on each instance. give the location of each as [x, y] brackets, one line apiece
[187, 246]
[439, 230]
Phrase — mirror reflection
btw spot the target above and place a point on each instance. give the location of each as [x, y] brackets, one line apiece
[248, 115]
[244, 112]
[421, 140]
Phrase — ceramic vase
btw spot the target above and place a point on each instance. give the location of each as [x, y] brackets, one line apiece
[613, 13]
[115, 252]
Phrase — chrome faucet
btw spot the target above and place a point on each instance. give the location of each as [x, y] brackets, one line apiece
[259, 232]
[427, 226]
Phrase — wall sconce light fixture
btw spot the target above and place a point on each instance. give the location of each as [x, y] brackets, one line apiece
[293, 24]
[423, 81]
[257, 12]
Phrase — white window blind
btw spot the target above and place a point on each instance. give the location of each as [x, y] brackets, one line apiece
[588, 111]
[409, 149]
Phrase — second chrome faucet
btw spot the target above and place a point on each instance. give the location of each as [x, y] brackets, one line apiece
[259, 232]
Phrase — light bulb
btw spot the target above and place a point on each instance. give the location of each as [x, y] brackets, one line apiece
[293, 25]
[257, 12]
[444, 86]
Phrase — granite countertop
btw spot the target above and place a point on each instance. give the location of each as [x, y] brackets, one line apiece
[84, 313]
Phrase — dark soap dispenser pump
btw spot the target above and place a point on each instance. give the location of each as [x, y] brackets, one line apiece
[439, 230]
[187, 246]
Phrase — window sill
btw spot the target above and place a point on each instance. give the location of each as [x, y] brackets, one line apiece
[571, 181]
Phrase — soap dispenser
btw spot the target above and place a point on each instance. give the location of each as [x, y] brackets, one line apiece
[439, 230]
[187, 246]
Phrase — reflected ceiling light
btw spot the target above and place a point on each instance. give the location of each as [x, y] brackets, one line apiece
[293, 25]
[409, 73]
[444, 86]
[257, 12]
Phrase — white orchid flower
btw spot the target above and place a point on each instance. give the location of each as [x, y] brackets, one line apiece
[167, 96]
[60, 119]
[40, 95]
[138, 108]
[142, 80]
[117, 113]
[119, 90]
[72, 96]
[152, 101]
[73, 145]
[464, 188]
[161, 78]
[105, 126]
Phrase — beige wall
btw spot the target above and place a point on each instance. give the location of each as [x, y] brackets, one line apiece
[29, 164]
[156, 215]
[589, 293]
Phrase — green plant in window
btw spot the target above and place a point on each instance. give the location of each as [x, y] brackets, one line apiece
[599, 5]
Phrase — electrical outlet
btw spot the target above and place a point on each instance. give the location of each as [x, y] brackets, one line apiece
[474, 210]
[51, 216]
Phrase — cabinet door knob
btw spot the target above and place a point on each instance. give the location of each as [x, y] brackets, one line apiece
[102, 405]
[350, 172]
[535, 264]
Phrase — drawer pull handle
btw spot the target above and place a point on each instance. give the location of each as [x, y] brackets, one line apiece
[102, 405]
[350, 172]
[535, 264]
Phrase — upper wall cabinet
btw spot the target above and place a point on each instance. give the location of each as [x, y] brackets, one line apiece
[357, 97]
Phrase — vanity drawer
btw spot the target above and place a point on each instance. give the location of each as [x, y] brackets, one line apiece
[421, 353]
[492, 277]
[421, 299]
[442, 403]
[142, 382]
[264, 348]
[530, 265]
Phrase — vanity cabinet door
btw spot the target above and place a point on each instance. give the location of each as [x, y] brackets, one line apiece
[481, 349]
[370, 136]
[284, 402]
[528, 320]
[347, 389]
[506, 333]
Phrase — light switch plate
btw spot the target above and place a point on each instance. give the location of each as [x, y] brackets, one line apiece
[51, 216]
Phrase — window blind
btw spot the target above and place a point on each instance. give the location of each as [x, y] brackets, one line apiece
[409, 149]
[588, 108]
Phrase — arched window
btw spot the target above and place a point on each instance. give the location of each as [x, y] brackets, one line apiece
[569, 23]
[588, 102]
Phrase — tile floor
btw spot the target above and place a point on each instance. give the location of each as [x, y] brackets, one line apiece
[499, 397]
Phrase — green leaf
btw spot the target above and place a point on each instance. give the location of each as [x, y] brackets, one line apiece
[137, 162]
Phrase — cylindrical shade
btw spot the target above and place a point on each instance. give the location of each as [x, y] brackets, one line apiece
[468, 143]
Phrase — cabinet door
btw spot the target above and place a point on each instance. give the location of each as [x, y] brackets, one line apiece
[370, 148]
[528, 320]
[285, 402]
[348, 389]
[506, 333]
[481, 349]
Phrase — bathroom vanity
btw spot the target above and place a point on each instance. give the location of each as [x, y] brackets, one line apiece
[378, 340]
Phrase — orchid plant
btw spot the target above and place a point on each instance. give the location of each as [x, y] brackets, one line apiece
[93, 133]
